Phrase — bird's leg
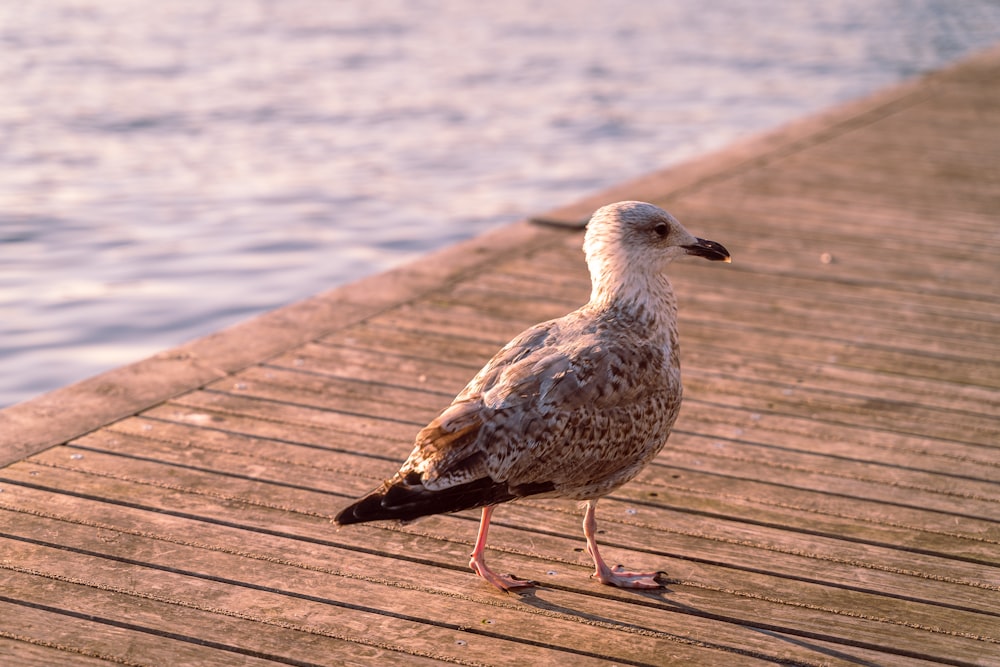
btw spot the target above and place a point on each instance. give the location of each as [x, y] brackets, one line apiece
[606, 575]
[504, 582]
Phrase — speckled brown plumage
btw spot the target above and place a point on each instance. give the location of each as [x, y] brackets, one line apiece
[571, 408]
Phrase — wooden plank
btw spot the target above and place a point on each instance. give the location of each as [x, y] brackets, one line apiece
[904, 480]
[416, 407]
[803, 354]
[492, 611]
[142, 544]
[698, 596]
[470, 641]
[295, 500]
[26, 651]
[976, 431]
[731, 434]
[832, 344]
[847, 481]
[876, 303]
[675, 481]
[273, 639]
[702, 302]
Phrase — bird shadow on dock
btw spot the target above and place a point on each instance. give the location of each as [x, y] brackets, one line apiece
[535, 597]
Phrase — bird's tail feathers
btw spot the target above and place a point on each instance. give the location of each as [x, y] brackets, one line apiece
[408, 499]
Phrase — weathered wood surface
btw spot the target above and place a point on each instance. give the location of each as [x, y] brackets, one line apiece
[831, 494]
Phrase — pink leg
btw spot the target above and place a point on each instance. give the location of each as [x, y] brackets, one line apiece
[504, 582]
[617, 576]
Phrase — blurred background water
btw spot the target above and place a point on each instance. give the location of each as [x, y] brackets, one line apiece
[170, 168]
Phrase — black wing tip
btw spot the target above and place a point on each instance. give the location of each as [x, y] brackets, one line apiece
[368, 508]
[346, 517]
[403, 501]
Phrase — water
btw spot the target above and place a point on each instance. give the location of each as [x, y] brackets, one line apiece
[170, 168]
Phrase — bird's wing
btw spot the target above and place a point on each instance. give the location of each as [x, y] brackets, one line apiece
[520, 403]
[540, 417]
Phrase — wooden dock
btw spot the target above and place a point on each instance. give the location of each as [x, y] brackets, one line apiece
[830, 496]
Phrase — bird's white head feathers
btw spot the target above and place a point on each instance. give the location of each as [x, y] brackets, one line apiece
[629, 244]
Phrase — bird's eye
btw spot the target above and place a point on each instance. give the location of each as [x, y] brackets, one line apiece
[661, 230]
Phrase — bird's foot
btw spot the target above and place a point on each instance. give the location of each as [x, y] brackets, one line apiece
[505, 582]
[620, 577]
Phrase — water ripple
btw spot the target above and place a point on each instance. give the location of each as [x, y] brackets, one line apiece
[172, 168]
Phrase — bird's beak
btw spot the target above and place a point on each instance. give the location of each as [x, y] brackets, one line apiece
[711, 250]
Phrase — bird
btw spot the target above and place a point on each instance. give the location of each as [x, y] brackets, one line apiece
[570, 408]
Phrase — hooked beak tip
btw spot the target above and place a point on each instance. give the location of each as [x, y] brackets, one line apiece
[710, 250]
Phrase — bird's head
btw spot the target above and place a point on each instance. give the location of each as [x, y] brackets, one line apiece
[632, 238]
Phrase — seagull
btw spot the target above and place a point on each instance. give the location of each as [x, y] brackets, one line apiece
[570, 408]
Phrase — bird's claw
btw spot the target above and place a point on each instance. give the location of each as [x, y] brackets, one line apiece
[622, 578]
[504, 582]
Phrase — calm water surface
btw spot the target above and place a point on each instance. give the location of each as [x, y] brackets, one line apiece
[170, 168]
